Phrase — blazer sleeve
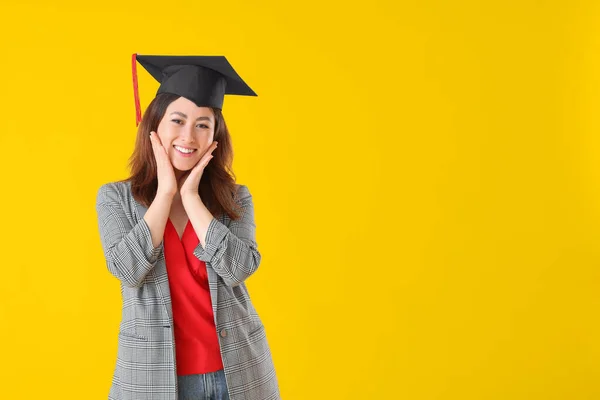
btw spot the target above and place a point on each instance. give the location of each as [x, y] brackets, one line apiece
[232, 251]
[128, 250]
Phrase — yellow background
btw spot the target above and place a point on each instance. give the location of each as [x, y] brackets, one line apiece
[425, 177]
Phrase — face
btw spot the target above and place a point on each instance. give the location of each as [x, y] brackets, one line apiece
[185, 127]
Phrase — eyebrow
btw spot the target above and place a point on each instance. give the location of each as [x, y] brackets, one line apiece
[185, 116]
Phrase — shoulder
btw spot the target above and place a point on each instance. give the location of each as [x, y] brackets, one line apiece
[115, 191]
[242, 193]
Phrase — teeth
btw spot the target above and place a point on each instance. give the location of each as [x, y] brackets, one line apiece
[187, 151]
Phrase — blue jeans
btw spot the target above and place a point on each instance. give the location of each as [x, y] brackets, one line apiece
[209, 386]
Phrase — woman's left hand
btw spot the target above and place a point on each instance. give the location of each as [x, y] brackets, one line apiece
[189, 182]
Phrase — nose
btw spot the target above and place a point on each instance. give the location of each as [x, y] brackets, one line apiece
[187, 135]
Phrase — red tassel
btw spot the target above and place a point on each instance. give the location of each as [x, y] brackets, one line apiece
[136, 96]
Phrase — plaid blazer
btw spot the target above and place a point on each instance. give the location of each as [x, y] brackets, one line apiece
[145, 366]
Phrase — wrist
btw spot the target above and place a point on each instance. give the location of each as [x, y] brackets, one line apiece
[189, 196]
[165, 195]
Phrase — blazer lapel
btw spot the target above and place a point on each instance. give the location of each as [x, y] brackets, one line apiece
[159, 272]
[212, 285]
[213, 279]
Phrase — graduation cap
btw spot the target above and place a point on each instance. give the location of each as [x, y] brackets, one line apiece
[205, 80]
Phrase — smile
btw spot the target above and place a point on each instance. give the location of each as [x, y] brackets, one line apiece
[183, 150]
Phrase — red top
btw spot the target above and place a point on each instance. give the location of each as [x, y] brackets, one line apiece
[197, 348]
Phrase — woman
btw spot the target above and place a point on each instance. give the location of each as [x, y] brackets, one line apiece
[179, 234]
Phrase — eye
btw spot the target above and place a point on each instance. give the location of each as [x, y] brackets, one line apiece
[175, 120]
[205, 126]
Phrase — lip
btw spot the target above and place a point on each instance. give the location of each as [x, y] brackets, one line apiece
[185, 154]
[185, 147]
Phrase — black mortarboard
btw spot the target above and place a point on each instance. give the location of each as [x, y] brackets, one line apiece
[205, 80]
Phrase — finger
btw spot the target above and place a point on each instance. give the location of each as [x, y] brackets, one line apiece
[208, 152]
[202, 163]
[153, 140]
[157, 146]
[205, 158]
[155, 136]
[210, 148]
[153, 143]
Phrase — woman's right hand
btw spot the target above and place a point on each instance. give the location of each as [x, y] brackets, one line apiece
[167, 184]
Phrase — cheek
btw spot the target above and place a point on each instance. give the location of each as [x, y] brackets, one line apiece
[164, 141]
[165, 135]
[204, 139]
[165, 130]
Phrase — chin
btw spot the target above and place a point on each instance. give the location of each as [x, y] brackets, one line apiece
[182, 169]
[183, 165]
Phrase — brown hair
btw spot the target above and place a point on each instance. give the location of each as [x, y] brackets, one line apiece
[217, 187]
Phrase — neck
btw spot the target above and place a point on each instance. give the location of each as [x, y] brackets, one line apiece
[178, 173]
